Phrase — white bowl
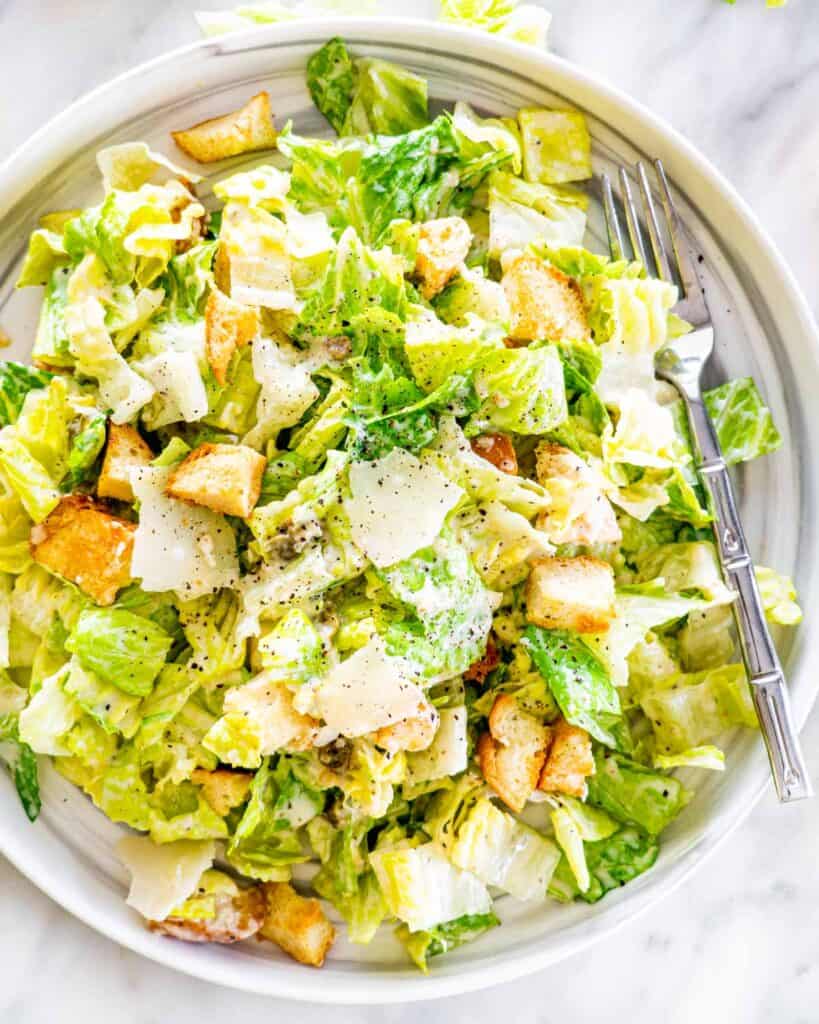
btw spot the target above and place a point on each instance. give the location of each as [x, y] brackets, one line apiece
[763, 328]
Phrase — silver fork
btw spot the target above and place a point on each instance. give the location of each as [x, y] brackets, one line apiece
[681, 363]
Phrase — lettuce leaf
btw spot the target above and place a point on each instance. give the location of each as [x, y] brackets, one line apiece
[125, 650]
[744, 425]
[578, 680]
[636, 795]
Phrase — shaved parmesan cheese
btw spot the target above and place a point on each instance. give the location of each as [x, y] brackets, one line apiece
[369, 690]
[287, 390]
[177, 546]
[398, 505]
[163, 876]
[179, 387]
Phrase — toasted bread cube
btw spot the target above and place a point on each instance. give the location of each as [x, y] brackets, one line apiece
[224, 789]
[228, 325]
[224, 477]
[241, 131]
[297, 924]
[412, 734]
[571, 593]
[497, 449]
[84, 543]
[568, 761]
[479, 670]
[236, 918]
[512, 754]
[442, 248]
[545, 303]
[124, 451]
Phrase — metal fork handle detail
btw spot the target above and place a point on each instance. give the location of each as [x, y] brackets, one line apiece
[768, 687]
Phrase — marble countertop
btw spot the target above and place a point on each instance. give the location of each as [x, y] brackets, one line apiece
[739, 941]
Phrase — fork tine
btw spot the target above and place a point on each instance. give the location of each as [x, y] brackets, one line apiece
[657, 243]
[685, 265]
[632, 220]
[613, 230]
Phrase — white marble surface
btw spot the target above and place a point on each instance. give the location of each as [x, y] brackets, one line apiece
[739, 941]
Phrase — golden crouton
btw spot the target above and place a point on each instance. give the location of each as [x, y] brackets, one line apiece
[82, 542]
[224, 789]
[224, 477]
[442, 248]
[237, 917]
[581, 512]
[297, 924]
[512, 754]
[545, 303]
[228, 325]
[568, 761]
[412, 734]
[571, 593]
[124, 451]
[497, 449]
[241, 131]
[479, 670]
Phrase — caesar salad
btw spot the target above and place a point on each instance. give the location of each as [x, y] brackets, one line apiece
[350, 553]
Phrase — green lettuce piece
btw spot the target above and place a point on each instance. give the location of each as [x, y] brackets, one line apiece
[125, 650]
[744, 425]
[556, 146]
[423, 889]
[634, 794]
[479, 478]
[15, 527]
[435, 350]
[690, 569]
[45, 252]
[187, 279]
[523, 213]
[687, 709]
[522, 391]
[292, 651]
[331, 81]
[578, 680]
[638, 609]
[502, 134]
[265, 844]
[706, 756]
[28, 478]
[361, 287]
[500, 543]
[233, 406]
[421, 945]
[611, 863]
[43, 426]
[325, 429]
[367, 96]
[779, 598]
[22, 764]
[210, 625]
[49, 715]
[51, 341]
[85, 449]
[707, 639]
[502, 852]
[471, 294]
[524, 23]
[345, 879]
[574, 823]
[112, 708]
[16, 381]
[451, 610]
[306, 504]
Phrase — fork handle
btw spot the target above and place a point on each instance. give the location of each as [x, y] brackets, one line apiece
[765, 675]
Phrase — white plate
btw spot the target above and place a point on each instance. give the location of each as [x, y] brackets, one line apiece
[763, 328]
